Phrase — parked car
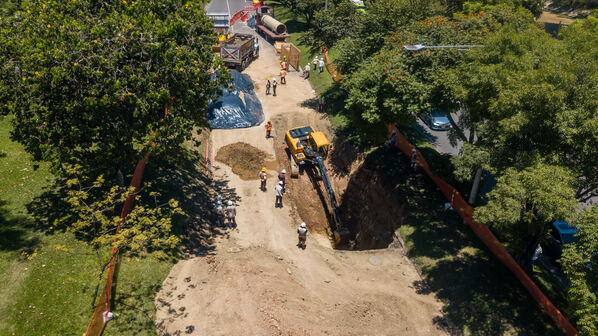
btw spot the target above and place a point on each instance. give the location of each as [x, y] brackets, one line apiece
[561, 233]
[436, 120]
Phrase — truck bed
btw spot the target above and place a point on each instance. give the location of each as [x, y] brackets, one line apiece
[238, 40]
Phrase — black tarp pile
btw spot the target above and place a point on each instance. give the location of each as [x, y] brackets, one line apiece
[237, 109]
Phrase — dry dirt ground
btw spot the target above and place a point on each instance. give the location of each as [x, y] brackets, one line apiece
[257, 282]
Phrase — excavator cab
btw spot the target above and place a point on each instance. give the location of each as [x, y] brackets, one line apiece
[319, 143]
[304, 143]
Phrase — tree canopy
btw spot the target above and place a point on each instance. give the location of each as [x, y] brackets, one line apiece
[396, 85]
[528, 97]
[523, 204]
[580, 264]
[88, 82]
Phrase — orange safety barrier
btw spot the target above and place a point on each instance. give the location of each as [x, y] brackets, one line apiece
[99, 317]
[330, 67]
[100, 313]
[487, 237]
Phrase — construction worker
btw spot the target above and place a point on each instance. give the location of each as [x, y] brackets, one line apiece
[268, 128]
[302, 233]
[283, 178]
[231, 212]
[306, 71]
[315, 63]
[267, 86]
[218, 200]
[283, 75]
[413, 158]
[322, 64]
[219, 214]
[279, 192]
[274, 87]
[263, 176]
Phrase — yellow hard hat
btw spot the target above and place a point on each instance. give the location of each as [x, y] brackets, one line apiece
[264, 169]
[269, 120]
[268, 78]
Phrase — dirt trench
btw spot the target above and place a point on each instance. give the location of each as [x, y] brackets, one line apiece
[371, 205]
[372, 208]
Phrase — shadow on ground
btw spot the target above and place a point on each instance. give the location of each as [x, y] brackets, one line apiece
[15, 231]
[480, 296]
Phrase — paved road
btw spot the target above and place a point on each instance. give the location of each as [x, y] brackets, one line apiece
[440, 139]
[226, 6]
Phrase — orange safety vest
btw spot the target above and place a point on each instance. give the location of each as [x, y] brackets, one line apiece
[269, 127]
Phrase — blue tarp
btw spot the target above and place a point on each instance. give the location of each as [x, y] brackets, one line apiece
[237, 109]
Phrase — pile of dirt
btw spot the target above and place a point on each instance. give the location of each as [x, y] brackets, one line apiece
[245, 160]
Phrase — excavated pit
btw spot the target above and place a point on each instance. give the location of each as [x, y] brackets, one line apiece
[372, 205]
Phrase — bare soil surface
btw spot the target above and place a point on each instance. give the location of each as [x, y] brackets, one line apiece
[256, 281]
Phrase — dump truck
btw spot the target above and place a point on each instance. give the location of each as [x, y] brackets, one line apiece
[239, 50]
[309, 148]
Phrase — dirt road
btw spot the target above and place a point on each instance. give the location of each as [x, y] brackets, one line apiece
[257, 282]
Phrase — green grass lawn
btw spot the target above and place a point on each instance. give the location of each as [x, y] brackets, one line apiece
[47, 277]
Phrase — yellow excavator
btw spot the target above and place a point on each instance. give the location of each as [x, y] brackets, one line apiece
[308, 147]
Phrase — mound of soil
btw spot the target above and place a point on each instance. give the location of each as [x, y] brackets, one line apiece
[245, 160]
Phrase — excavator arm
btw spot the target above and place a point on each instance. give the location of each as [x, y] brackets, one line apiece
[315, 158]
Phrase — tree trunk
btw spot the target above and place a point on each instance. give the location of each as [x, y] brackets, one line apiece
[475, 186]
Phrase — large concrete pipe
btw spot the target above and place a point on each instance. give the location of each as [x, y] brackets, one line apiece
[274, 24]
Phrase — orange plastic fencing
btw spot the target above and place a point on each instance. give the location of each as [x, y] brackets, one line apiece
[330, 67]
[487, 237]
[100, 313]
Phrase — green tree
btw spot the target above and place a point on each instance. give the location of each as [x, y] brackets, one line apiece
[369, 32]
[396, 85]
[88, 81]
[580, 264]
[308, 8]
[331, 25]
[524, 203]
[146, 229]
[526, 97]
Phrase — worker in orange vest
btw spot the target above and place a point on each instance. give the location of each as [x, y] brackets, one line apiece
[283, 75]
[268, 128]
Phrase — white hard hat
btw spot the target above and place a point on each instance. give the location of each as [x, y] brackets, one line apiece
[303, 224]
[413, 150]
[280, 183]
[218, 202]
[219, 197]
[230, 202]
[284, 171]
